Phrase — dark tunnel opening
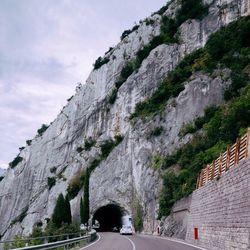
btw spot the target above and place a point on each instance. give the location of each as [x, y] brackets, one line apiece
[109, 217]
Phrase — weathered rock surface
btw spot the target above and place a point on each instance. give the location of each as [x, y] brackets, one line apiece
[126, 175]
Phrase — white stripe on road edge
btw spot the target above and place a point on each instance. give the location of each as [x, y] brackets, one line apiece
[130, 242]
[170, 239]
[99, 237]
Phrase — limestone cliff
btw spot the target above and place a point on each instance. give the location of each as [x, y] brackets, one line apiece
[126, 175]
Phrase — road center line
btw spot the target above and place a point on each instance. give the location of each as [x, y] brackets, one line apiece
[99, 237]
[134, 248]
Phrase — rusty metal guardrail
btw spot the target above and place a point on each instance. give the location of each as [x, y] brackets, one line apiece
[228, 159]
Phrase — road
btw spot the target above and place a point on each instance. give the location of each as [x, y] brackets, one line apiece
[115, 241]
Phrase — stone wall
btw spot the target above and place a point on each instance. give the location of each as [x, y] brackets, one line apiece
[221, 211]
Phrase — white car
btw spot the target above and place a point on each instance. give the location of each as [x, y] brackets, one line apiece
[126, 230]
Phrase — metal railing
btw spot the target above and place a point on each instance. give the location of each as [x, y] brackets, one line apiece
[61, 244]
[233, 156]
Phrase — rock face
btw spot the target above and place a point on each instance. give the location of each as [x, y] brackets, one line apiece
[126, 175]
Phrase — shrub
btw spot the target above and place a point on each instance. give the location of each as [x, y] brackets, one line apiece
[76, 184]
[89, 143]
[108, 145]
[21, 216]
[18, 242]
[156, 131]
[79, 149]
[51, 181]
[41, 130]
[157, 161]
[15, 162]
[1, 178]
[36, 233]
[118, 139]
[53, 230]
[163, 9]
[149, 21]
[127, 32]
[100, 61]
[69, 99]
[28, 142]
[112, 96]
[52, 169]
[188, 128]
[191, 9]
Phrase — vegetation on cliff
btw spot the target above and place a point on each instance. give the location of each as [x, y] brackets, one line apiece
[227, 48]
[193, 9]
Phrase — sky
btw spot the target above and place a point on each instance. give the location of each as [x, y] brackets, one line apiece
[46, 48]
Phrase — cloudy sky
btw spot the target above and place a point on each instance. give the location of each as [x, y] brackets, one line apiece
[46, 47]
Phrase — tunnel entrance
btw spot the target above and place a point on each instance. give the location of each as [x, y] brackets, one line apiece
[109, 217]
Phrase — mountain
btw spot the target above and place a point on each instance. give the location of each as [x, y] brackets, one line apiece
[122, 132]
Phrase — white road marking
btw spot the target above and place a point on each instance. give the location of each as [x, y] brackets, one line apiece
[170, 239]
[99, 237]
[130, 242]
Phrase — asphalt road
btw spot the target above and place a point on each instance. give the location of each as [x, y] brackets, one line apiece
[115, 241]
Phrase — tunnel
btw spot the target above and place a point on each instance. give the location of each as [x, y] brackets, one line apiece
[109, 217]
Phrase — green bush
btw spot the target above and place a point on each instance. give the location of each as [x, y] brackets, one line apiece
[127, 32]
[15, 162]
[53, 230]
[21, 216]
[51, 181]
[112, 96]
[89, 143]
[52, 170]
[37, 232]
[191, 9]
[41, 130]
[108, 145]
[100, 61]
[157, 161]
[28, 142]
[79, 149]
[155, 132]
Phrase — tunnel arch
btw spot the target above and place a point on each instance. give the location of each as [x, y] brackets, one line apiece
[109, 217]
